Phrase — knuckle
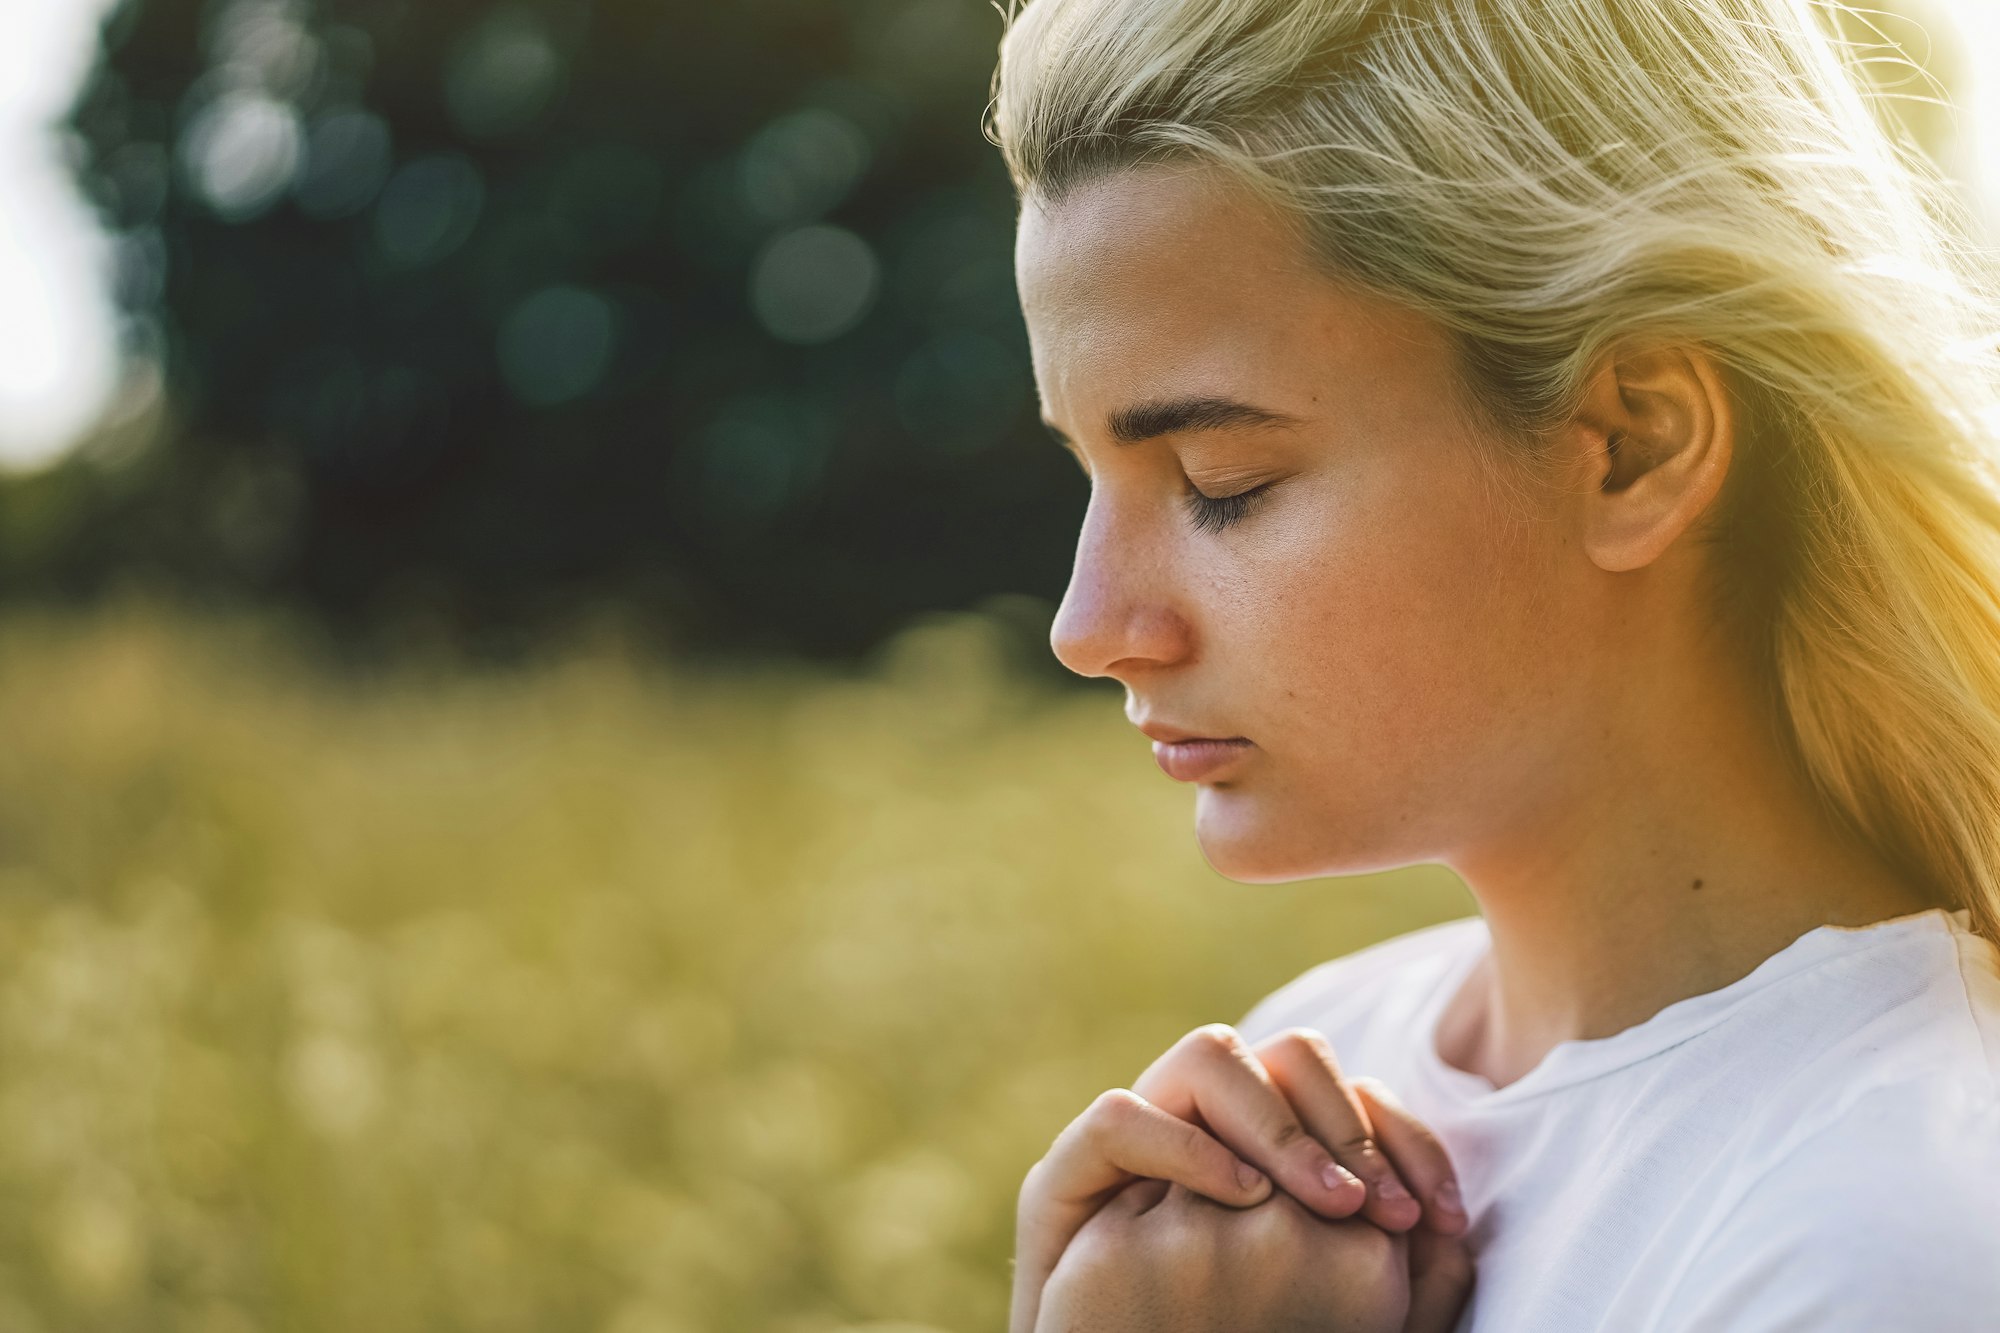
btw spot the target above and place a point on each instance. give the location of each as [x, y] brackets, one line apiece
[1114, 1102]
[1112, 1107]
[1386, 1186]
[1360, 1144]
[1290, 1136]
[1310, 1042]
[1108, 1116]
[1217, 1036]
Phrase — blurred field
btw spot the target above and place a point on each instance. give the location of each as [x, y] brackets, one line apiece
[585, 996]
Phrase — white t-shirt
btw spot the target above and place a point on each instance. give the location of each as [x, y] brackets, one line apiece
[1815, 1146]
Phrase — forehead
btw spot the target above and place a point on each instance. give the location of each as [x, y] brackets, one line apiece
[1173, 279]
[1143, 216]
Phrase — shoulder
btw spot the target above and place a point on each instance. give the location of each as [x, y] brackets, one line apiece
[1886, 1215]
[1883, 1025]
[1360, 978]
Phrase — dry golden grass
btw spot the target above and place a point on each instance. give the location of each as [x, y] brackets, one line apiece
[587, 996]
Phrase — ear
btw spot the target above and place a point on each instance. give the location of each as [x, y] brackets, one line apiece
[1655, 435]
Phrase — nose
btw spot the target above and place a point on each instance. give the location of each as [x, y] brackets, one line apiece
[1120, 613]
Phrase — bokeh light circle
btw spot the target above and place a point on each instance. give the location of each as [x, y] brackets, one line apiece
[556, 345]
[813, 284]
[240, 151]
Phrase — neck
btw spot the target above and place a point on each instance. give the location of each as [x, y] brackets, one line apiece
[1688, 856]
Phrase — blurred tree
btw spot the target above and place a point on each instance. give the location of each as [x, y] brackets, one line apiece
[484, 309]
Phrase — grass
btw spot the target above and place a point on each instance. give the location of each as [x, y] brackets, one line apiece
[590, 995]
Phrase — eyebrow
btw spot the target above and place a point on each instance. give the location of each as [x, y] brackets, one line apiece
[1150, 420]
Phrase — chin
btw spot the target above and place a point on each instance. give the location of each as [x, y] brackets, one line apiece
[1249, 845]
[1238, 844]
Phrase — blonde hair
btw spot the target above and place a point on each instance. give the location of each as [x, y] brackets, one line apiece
[1547, 178]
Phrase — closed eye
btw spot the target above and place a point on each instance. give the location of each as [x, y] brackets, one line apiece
[1214, 513]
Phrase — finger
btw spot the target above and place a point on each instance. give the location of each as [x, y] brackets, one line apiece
[1441, 1277]
[1123, 1134]
[1417, 1154]
[1120, 1137]
[1301, 1062]
[1212, 1078]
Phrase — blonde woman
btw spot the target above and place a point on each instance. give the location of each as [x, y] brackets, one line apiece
[1557, 439]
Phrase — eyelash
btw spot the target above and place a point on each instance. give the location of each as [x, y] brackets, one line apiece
[1212, 514]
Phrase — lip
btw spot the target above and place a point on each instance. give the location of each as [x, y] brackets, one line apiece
[1160, 731]
[1198, 759]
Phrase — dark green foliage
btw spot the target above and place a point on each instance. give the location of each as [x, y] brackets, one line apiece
[485, 311]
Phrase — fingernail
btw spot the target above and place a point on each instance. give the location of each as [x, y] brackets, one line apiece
[1392, 1188]
[1337, 1176]
[1448, 1198]
[1249, 1175]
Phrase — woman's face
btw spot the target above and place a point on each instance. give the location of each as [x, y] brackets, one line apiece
[1404, 639]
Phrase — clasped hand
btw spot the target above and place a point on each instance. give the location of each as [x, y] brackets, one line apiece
[1147, 1213]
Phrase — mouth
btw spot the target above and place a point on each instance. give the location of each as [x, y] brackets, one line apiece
[1199, 758]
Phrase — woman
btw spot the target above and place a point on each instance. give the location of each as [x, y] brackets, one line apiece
[1559, 439]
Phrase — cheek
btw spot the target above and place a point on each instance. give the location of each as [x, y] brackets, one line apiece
[1394, 629]
[1385, 651]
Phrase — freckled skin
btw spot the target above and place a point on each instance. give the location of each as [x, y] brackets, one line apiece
[1401, 638]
